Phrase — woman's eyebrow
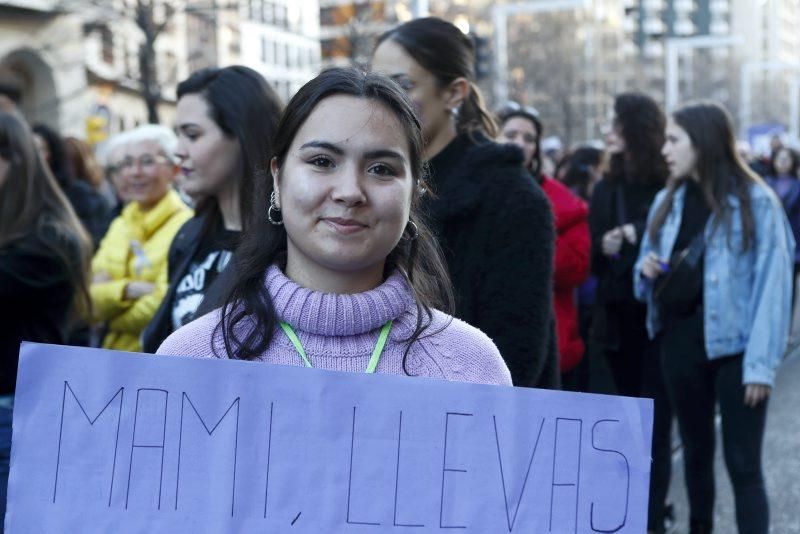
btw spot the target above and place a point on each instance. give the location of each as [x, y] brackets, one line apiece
[384, 153]
[323, 144]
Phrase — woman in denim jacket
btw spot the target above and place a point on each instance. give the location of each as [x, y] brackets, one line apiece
[715, 270]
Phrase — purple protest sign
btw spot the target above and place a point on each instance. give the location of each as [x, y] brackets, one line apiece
[117, 442]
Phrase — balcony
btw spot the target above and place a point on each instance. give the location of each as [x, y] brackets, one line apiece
[653, 25]
[719, 7]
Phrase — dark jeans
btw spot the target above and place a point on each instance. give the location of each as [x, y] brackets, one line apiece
[695, 384]
[5, 456]
[626, 362]
[636, 369]
[653, 387]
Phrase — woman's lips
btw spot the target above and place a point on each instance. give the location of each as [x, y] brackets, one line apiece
[345, 226]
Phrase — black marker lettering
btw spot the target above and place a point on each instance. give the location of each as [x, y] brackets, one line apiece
[269, 459]
[446, 469]
[161, 445]
[350, 476]
[577, 482]
[211, 431]
[120, 393]
[511, 520]
[397, 474]
[627, 484]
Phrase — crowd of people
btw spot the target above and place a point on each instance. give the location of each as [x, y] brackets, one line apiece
[388, 221]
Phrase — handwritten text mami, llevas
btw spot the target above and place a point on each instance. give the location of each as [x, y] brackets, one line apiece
[569, 444]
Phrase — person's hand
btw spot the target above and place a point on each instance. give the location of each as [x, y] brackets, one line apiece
[755, 393]
[100, 277]
[652, 266]
[629, 233]
[612, 241]
[137, 289]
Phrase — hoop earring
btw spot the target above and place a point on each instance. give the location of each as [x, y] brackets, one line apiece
[273, 207]
[414, 230]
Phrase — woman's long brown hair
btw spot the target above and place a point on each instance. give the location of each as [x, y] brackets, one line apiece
[31, 202]
[721, 171]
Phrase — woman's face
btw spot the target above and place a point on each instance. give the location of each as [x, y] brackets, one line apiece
[678, 151]
[783, 161]
[615, 142]
[521, 132]
[209, 160]
[432, 103]
[147, 172]
[345, 188]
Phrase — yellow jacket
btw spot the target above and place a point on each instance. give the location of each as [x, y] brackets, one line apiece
[134, 249]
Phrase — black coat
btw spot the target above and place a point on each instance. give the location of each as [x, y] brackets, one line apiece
[615, 275]
[36, 294]
[495, 227]
[91, 207]
[179, 259]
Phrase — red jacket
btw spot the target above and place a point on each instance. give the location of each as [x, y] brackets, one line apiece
[573, 246]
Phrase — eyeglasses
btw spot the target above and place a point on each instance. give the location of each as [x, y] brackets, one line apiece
[511, 108]
[146, 162]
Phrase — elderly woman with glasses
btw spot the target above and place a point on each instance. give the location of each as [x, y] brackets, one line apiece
[129, 271]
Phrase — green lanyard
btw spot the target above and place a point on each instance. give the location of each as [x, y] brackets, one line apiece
[376, 352]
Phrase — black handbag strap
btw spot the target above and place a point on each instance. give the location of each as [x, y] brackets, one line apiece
[696, 248]
[688, 256]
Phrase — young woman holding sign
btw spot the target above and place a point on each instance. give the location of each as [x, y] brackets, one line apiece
[338, 270]
[44, 264]
[715, 269]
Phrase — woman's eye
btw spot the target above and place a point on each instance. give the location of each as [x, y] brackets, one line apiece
[382, 169]
[404, 83]
[321, 161]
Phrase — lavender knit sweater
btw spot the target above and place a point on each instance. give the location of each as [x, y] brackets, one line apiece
[339, 332]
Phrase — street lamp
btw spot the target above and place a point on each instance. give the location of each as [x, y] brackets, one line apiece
[674, 46]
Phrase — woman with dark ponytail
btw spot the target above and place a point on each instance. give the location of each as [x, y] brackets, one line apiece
[493, 222]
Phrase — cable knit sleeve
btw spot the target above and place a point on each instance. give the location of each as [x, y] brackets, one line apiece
[195, 339]
[461, 353]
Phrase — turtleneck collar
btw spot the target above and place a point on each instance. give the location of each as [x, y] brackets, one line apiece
[331, 314]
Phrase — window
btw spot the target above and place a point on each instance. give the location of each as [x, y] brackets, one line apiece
[267, 13]
[280, 16]
[254, 9]
[264, 45]
[107, 45]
